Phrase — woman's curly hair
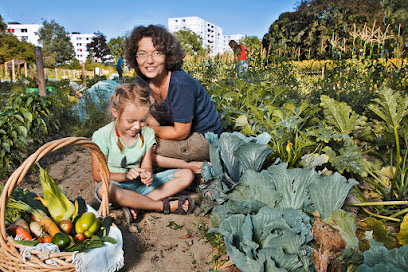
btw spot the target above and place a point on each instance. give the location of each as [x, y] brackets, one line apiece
[164, 41]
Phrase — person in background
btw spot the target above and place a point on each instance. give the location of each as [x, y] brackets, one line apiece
[120, 66]
[184, 111]
[240, 58]
[127, 142]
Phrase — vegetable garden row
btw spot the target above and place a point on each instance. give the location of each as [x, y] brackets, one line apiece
[296, 148]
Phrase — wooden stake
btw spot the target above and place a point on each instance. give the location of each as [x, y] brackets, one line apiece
[40, 70]
[13, 72]
[25, 69]
[83, 75]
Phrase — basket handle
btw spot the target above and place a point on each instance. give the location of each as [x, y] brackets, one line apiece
[18, 175]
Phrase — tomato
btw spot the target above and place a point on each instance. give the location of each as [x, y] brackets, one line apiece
[65, 225]
[79, 237]
[47, 239]
[40, 239]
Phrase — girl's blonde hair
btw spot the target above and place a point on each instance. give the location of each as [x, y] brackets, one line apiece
[130, 93]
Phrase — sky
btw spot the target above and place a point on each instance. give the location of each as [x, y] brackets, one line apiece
[116, 18]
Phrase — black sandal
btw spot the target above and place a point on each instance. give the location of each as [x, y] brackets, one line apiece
[181, 201]
[129, 216]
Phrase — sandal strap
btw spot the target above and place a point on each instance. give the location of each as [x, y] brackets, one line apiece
[166, 206]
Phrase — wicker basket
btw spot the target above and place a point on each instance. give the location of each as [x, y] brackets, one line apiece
[10, 257]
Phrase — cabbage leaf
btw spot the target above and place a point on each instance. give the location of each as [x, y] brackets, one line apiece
[379, 258]
[274, 239]
[328, 193]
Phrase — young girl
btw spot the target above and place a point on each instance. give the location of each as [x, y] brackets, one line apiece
[127, 144]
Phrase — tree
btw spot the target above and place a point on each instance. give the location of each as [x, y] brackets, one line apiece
[3, 26]
[56, 43]
[98, 49]
[191, 41]
[116, 46]
[252, 43]
[316, 26]
[12, 48]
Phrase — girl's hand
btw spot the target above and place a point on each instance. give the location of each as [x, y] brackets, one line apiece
[146, 177]
[134, 173]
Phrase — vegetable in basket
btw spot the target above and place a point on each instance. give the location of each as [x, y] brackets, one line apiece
[87, 224]
[62, 240]
[39, 216]
[58, 205]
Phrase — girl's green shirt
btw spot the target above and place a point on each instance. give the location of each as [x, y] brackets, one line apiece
[131, 156]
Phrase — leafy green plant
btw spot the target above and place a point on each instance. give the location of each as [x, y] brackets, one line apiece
[41, 109]
[392, 108]
[230, 156]
[13, 136]
[272, 239]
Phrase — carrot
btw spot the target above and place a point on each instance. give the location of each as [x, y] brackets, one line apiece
[25, 235]
[49, 225]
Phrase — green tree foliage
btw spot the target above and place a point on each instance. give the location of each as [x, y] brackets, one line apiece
[12, 48]
[56, 44]
[116, 46]
[191, 42]
[335, 28]
[3, 26]
[98, 48]
[252, 43]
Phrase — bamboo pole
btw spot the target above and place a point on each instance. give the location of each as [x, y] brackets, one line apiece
[25, 69]
[40, 70]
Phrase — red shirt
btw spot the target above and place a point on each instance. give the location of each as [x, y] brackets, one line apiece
[242, 55]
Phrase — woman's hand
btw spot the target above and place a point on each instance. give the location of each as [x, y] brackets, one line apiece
[146, 177]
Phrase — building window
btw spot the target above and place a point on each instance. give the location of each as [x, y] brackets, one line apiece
[24, 38]
[78, 44]
[78, 38]
[176, 21]
[24, 30]
[183, 20]
[10, 30]
[87, 39]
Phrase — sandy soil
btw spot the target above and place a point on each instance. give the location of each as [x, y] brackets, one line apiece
[151, 244]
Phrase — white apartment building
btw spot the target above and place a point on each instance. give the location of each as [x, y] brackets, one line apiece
[24, 32]
[28, 32]
[79, 41]
[211, 34]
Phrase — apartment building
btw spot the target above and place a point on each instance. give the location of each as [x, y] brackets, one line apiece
[24, 32]
[211, 34]
[28, 32]
[79, 41]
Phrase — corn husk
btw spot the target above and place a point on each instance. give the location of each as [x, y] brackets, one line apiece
[58, 205]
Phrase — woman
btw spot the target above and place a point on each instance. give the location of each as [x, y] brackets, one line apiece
[184, 111]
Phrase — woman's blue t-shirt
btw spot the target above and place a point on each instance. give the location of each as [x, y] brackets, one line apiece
[187, 100]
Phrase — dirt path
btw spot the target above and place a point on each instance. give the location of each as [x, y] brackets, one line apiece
[157, 242]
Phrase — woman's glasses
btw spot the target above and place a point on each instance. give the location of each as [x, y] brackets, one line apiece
[143, 55]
